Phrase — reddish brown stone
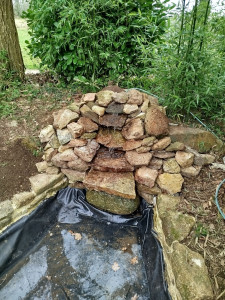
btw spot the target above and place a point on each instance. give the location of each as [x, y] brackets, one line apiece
[136, 159]
[119, 184]
[77, 143]
[112, 120]
[110, 138]
[75, 129]
[88, 125]
[156, 123]
[135, 97]
[134, 129]
[111, 161]
[146, 176]
[162, 144]
[156, 163]
[79, 165]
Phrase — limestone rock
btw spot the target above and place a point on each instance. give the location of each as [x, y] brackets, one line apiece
[104, 98]
[162, 144]
[74, 107]
[145, 105]
[87, 152]
[112, 203]
[98, 110]
[119, 184]
[73, 175]
[114, 108]
[153, 100]
[62, 148]
[120, 97]
[192, 171]
[163, 154]
[22, 199]
[130, 108]
[42, 182]
[166, 203]
[135, 97]
[146, 176]
[87, 124]
[147, 197]
[176, 146]
[89, 97]
[78, 165]
[149, 141]
[156, 123]
[6, 211]
[138, 160]
[198, 139]
[88, 113]
[113, 120]
[48, 154]
[171, 166]
[134, 129]
[54, 142]
[191, 274]
[111, 161]
[67, 155]
[52, 170]
[110, 138]
[75, 129]
[156, 163]
[155, 190]
[63, 117]
[170, 183]
[58, 162]
[176, 225]
[46, 134]
[64, 136]
[143, 149]
[184, 159]
[77, 143]
[41, 166]
[201, 159]
[89, 135]
[131, 145]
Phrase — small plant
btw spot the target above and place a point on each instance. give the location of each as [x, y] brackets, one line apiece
[200, 230]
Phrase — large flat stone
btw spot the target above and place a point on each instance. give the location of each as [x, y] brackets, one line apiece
[201, 140]
[112, 203]
[112, 120]
[111, 161]
[42, 182]
[191, 273]
[119, 184]
[110, 138]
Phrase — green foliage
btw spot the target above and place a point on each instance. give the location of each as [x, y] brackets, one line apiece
[90, 39]
[189, 68]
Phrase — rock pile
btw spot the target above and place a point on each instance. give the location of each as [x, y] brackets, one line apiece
[118, 144]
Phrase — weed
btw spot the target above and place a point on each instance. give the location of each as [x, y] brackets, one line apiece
[200, 230]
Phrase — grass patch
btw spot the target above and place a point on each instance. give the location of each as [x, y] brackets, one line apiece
[29, 62]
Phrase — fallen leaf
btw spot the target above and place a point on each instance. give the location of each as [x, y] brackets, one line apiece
[135, 297]
[134, 260]
[76, 235]
[115, 266]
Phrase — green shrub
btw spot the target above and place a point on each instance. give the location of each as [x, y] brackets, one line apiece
[94, 38]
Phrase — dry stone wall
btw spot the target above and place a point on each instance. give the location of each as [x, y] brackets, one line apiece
[118, 144]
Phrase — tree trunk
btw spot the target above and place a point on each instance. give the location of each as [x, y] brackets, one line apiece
[9, 40]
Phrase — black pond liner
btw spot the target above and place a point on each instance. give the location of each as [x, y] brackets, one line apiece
[67, 249]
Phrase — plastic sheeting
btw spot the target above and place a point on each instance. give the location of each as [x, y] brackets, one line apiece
[67, 249]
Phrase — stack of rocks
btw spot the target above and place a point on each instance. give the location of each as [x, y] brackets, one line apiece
[117, 146]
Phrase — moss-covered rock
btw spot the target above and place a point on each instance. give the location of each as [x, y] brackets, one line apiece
[112, 203]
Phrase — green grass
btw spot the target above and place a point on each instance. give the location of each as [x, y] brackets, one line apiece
[29, 62]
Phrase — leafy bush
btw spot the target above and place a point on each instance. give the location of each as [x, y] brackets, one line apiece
[94, 38]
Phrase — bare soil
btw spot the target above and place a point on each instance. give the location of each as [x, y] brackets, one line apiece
[20, 150]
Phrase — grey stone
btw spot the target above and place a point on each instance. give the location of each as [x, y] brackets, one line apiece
[64, 136]
[114, 108]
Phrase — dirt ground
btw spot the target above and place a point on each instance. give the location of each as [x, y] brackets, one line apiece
[20, 150]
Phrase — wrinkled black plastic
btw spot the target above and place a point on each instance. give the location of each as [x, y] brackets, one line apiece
[113, 256]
